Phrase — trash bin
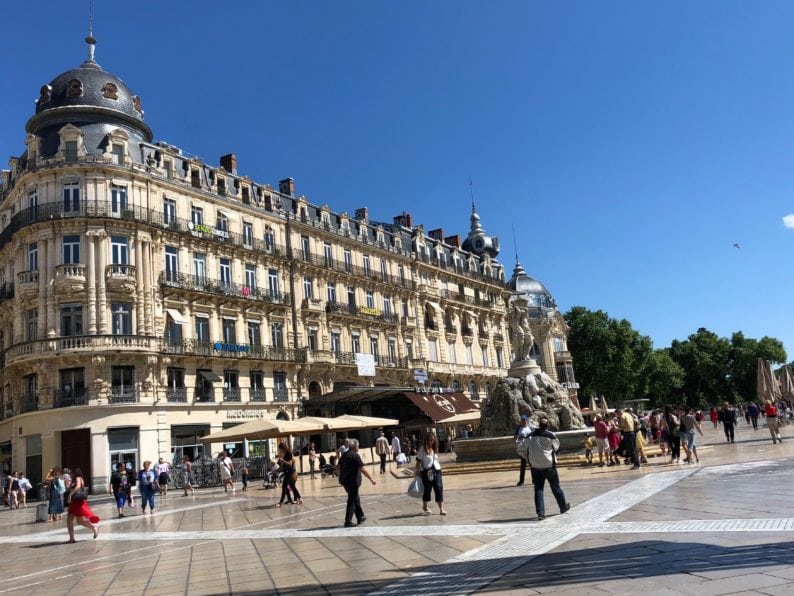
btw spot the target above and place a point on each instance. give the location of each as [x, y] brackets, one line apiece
[41, 512]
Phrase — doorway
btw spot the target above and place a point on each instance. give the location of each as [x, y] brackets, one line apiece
[76, 451]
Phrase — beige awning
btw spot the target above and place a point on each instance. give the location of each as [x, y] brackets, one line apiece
[461, 418]
[436, 306]
[261, 429]
[367, 421]
[176, 316]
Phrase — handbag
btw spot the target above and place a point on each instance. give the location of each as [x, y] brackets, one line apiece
[417, 488]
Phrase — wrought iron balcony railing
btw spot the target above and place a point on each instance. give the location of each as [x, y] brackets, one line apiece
[194, 347]
[65, 398]
[205, 285]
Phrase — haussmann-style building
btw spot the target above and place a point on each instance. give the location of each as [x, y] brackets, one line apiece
[148, 298]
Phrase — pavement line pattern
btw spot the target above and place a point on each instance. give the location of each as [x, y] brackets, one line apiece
[695, 525]
[486, 564]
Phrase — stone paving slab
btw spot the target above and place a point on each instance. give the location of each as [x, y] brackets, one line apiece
[721, 527]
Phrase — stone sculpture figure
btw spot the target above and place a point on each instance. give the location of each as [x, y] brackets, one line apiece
[520, 333]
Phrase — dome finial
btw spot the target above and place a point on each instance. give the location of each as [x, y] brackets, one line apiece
[90, 40]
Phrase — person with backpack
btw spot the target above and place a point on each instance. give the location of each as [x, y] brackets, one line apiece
[147, 483]
[119, 487]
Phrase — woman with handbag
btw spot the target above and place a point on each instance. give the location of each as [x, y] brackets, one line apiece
[57, 489]
[147, 484]
[429, 468]
[287, 463]
[77, 498]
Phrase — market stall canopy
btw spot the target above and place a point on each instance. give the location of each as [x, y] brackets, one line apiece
[787, 383]
[261, 429]
[768, 387]
[461, 418]
[367, 421]
[333, 424]
[438, 406]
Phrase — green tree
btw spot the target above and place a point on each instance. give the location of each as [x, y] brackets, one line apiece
[745, 353]
[663, 378]
[705, 358]
[610, 356]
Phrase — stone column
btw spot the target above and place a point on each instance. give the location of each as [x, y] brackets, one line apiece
[42, 327]
[102, 299]
[148, 314]
[140, 293]
[49, 273]
[215, 329]
[91, 279]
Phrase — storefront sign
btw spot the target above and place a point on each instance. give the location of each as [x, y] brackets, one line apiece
[221, 347]
[199, 228]
[366, 310]
[244, 414]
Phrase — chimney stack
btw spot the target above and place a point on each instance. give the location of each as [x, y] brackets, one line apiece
[453, 241]
[437, 234]
[287, 187]
[229, 163]
[362, 214]
[404, 220]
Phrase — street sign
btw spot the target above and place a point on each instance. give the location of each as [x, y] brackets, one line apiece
[420, 375]
[365, 364]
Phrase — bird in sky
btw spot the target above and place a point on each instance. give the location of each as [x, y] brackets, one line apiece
[736, 245]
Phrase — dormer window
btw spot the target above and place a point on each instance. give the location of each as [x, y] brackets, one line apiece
[45, 93]
[118, 153]
[110, 91]
[74, 88]
[222, 186]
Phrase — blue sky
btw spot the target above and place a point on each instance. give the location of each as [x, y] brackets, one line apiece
[630, 143]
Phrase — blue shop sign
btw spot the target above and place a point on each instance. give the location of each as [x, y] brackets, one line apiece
[221, 347]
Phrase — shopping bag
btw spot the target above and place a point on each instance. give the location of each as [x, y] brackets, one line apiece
[416, 489]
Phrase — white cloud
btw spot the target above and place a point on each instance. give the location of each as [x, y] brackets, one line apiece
[788, 220]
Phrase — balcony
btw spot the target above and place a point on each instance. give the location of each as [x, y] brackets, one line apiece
[66, 398]
[123, 395]
[120, 278]
[176, 395]
[70, 279]
[354, 270]
[194, 347]
[498, 337]
[30, 403]
[232, 394]
[256, 395]
[79, 343]
[562, 357]
[28, 284]
[408, 321]
[204, 395]
[205, 285]
[450, 329]
[312, 304]
[361, 312]
[280, 394]
[467, 332]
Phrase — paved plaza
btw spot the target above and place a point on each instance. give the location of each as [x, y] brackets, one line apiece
[724, 526]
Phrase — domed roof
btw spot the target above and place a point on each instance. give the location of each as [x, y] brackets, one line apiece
[530, 288]
[89, 85]
[88, 93]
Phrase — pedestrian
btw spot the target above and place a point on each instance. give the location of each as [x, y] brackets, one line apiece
[601, 431]
[57, 489]
[163, 476]
[132, 482]
[589, 444]
[614, 444]
[78, 509]
[13, 491]
[351, 468]
[244, 475]
[289, 491]
[752, 411]
[187, 476]
[728, 419]
[312, 460]
[24, 487]
[521, 435]
[429, 468]
[119, 487]
[543, 446]
[226, 470]
[382, 449]
[629, 432]
[396, 449]
[772, 421]
[690, 424]
[714, 415]
[147, 481]
[672, 424]
[67, 482]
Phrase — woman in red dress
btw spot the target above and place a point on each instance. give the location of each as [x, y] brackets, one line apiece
[78, 507]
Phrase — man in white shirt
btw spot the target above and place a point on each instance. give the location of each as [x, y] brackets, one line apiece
[382, 449]
[395, 448]
[543, 446]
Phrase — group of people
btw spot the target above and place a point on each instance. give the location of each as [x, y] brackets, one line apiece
[775, 414]
[15, 489]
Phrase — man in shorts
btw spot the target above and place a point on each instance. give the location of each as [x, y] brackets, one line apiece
[601, 429]
[163, 476]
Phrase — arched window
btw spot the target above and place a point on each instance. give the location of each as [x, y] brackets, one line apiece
[473, 391]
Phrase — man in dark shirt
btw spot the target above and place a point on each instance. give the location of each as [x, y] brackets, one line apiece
[350, 470]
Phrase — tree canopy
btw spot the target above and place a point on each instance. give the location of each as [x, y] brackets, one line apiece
[612, 359]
